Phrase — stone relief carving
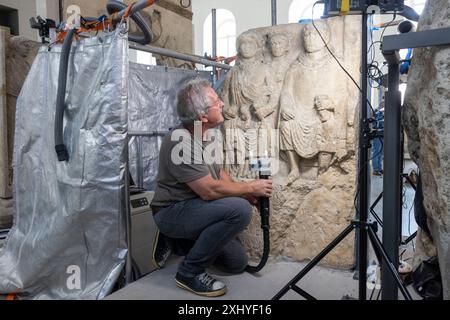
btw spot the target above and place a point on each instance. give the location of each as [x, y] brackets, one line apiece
[286, 82]
[331, 145]
[267, 90]
[247, 92]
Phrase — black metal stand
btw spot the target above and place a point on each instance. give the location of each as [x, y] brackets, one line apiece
[391, 203]
[378, 219]
[370, 229]
[391, 281]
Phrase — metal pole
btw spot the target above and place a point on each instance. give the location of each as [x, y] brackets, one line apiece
[393, 270]
[61, 10]
[147, 133]
[128, 261]
[214, 41]
[391, 183]
[139, 164]
[178, 55]
[274, 12]
[363, 204]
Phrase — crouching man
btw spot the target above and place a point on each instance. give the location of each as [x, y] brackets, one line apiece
[198, 201]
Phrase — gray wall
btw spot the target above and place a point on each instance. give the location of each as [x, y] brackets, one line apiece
[31, 8]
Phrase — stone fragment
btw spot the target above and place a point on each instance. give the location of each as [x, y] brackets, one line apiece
[427, 124]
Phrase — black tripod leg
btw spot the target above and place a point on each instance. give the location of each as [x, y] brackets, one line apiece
[377, 243]
[372, 209]
[408, 240]
[314, 262]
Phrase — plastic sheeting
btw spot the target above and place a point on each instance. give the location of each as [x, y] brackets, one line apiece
[68, 238]
[152, 109]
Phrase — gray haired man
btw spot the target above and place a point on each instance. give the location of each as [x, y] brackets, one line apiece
[197, 201]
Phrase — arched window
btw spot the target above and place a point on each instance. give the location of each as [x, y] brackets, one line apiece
[302, 9]
[226, 33]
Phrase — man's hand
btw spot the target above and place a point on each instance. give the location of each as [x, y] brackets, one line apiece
[261, 188]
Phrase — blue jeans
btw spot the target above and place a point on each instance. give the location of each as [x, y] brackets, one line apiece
[211, 227]
[377, 155]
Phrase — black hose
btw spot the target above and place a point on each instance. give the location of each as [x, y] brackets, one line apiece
[265, 213]
[265, 256]
[61, 150]
[147, 37]
[409, 13]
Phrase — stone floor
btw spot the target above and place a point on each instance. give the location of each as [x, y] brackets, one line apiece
[323, 283]
[160, 284]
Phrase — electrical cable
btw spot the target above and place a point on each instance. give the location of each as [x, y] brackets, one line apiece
[334, 57]
[378, 296]
[363, 167]
[368, 68]
[409, 225]
[387, 25]
[356, 84]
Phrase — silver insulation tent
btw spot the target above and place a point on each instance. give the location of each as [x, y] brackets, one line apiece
[69, 235]
[69, 239]
[151, 113]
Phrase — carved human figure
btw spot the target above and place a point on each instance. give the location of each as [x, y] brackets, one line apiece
[278, 44]
[246, 82]
[309, 76]
[298, 137]
[244, 90]
[329, 142]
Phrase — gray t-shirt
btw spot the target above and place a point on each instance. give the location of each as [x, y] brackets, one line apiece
[171, 182]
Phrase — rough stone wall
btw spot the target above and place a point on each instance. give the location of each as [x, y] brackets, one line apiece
[286, 85]
[171, 25]
[18, 54]
[427, 124]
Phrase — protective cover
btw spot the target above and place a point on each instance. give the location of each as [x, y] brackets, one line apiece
[68, 238]
[152, 109]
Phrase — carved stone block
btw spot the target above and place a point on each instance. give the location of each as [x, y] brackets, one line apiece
[289, 90]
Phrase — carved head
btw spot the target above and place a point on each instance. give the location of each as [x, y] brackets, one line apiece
[324, 106]
[279, 44]
[311, 39]
[249, 44]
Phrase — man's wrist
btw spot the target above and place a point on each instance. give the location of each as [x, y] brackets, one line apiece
[250, 188]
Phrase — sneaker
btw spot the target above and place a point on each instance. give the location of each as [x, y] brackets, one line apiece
[202, 284]
[404, 267]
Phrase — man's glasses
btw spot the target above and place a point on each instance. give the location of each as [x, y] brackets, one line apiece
[215, 104]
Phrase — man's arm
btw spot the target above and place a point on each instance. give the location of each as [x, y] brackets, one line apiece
[225, 176]
[210, 189]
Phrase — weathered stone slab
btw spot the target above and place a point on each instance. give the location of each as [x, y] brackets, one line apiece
[427, 124]
[18, 54]
[288, 98]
